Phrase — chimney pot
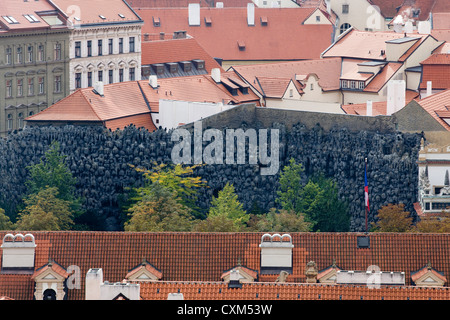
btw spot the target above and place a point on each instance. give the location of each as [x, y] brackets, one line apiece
[161, 35]
[215, 74]
[429, 88]
[369, 111]
[153, 81]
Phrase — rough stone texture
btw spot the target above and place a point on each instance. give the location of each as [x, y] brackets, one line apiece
[100, 160]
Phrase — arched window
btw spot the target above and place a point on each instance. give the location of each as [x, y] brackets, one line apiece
[345, 27]
[49, 294]
[10, 121]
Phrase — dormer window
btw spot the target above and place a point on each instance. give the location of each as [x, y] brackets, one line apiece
[156, 22]
[144, 272]
[10, 19]
[31, 18]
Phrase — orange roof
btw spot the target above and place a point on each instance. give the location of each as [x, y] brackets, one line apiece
[273, 87]
[368, 45]
[441, 20]
[443, 48]
[184, 3]
[435, 103]
[437, 70]
[283, 38]
[383, 77]
[205, 256]
[104, 11]
[17, 11]
[327, 70]
[176, 50]
[443, 58]
[121, 100]
[287, 291]
[199, 88]
[54, 267]
[416, 275]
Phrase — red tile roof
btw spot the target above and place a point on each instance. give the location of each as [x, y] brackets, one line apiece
[176, 50]
[434, 103]
[437, 59]
[17, 11]
[437, 70]
[184, 3]
[120, 103]
[283, 38]
[199, 88]
[91, 14]
[287, 291]
[327, 70]
[388, 8]
[273, 87]
[205, 256]
[441, 20]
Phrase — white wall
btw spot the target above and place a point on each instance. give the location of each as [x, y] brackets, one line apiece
[172, 113]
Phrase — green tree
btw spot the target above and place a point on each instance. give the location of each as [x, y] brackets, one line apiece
[393, 218]
[279, 221]
[158, 209]
[44, 210]
[290, 187]
[5, 222]
[225, 213]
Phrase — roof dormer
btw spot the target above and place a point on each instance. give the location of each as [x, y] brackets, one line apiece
[276, 253]
[329, 274]
[144, 272]
[428, 277]
[245, 274]
[50, 282]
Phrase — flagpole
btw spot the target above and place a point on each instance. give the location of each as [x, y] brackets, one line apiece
[365, 205]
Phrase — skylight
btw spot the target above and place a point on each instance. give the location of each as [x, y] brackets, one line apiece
[31, 18]
[103, 17]
[10, 19]
[121, 15]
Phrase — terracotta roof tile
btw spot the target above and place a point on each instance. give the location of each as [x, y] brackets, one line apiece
[437, 70]
[273, 87]
[441, 20]
[435, 103]
[205, 256]
[388, 8]
[183, 3]
[176, 50]
[383, 77]
[283, 38]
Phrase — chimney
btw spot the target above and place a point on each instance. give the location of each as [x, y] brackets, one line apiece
[251, 14]
[215, 74]
[328, 4]
[181, 34]
[161, 35]
[99, 88]
[194, 14]
[219, 4]
[18, 253]
[153, 81]
[175, 296]
[424, 27]
[111, 291]
[311, 272]
[398, 24]
[429, 88]
[396, 91]
[409, 28]
[94, 279]
[369, 108]
[146, 36]
[276, 253]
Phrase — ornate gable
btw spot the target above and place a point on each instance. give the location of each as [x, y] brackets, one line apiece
[428, 277]
[144, 272]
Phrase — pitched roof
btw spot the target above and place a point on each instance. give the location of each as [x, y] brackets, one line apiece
[104, 11]
[121, 100]
[287, 291]
[441, 20]
[184, 3]
[273, 87]
[283, 38]
[369, 45]
[18, 11]
[435, 103]
[388, 8]
[176, 50]
[200, 88]
[383, 77]
[205, 256]
[327, 70]
[436, 69]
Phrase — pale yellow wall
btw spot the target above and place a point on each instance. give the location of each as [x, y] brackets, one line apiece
[395, 50]
[279, 3]
[304, 105]
[413, 80]
[313, 20]
[422, 52]
[357, 97]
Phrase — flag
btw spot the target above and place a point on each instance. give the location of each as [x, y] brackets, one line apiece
[366, 189]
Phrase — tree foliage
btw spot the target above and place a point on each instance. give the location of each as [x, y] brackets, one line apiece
[393, 218]
[279, 221]
[5, 221]
[44, 210]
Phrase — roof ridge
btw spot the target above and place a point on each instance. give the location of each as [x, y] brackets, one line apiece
[90, 103]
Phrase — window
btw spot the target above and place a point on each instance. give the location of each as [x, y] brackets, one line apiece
[352, 84]
[111, 76]
[19, 55]
[40, 53]
[30, 54]
[361, 85]
[31, 86]
[10, 20]
[89, 48]
[156, 22]
[312, 86]
[100, 47]
[345, 8]
[8, 55]
[89, 76]
[120, 45]
[77, 49]
[345, 27]
[57, 51]
[8, 88]
[344, 84]
[10, 121]
[132, 74]
[317, 18]
[30, 113]
[291, 93]
[41, 85]
[100, 75]
[31, 18]
[77, 80]
[120, 75]
[20, 120]
[20, 87]
[110, 46]
[57, 84]
[132, 48]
